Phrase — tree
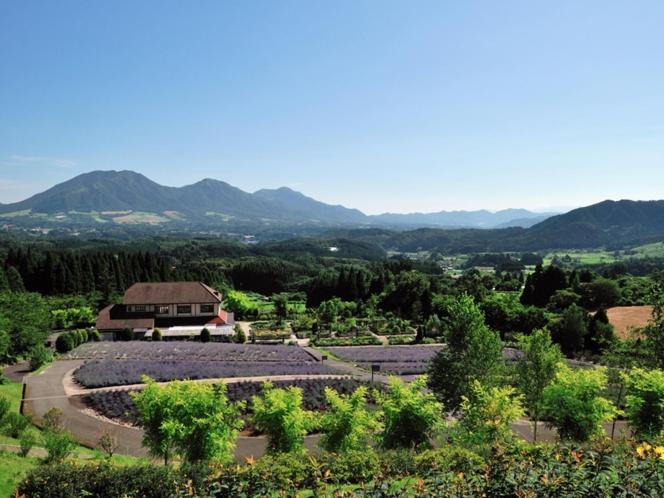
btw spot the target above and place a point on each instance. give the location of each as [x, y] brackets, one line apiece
[487, 415]
[410, 414]
[59, 445]
[280, 306]
[473, 352]
[570, 330]
[279, 413]
[347, 423]
[601, 292]
[195, 420]
[536, 369]
[156, 335]
[108, 443]
[205, 335]
[14, 280]
[644, 402]
[240, 337]
[542, 284]
[409, 296]
[574, 405]
[654, 332]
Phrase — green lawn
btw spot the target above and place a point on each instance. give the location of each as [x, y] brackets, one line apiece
[12, 391]
[12, 469]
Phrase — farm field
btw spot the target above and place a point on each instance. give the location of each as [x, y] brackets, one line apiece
[118, 405]
[625, 319]
[397, 360]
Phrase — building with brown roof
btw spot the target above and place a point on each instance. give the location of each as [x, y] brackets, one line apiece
[179, 309]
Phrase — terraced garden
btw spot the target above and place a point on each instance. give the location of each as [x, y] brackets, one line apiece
[118, 363]
[398, 360]
[119, 406]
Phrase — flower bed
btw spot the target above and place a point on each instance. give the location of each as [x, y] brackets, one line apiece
[104, 373]
[118, 405]
[398, 360]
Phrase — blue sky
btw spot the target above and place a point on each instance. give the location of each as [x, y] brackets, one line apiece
[380, 105]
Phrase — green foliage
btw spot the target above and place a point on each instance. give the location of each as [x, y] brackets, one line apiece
[67, 341]
[195, 420]
[13, 424]
[26, 441]
[125, 335]
[352, 466]
[447, 458]
[570, 330]
[601, 292]
[487, 415]
[409, 296]
[504, 313]
[5, 407]
[279, 414]
[59, 445]
[536, 369]
[280, 302]
[654, 332]
[410, 414]
[95, 335]
[541, 285]
[574, 405]
[240, 337]
[40, 356]
[26, 320]
[473, 352]
[73, 317]
[368, 340]
[347, 424]
[205, 335]
[156, 335]
[644, 402]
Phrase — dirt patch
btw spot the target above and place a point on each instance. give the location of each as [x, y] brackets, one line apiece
[16, 372]
[626, 320]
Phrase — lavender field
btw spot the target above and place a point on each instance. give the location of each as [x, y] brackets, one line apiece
[397, 360]
[104, 373]
[118, 405]
[186, 351]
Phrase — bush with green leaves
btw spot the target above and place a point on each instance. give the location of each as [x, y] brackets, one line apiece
[280, 415]
[644, 402]
[40, 356]
[352, 466]
[13, 424]
[574, 405]
[193, 419]
[487, 413]
[59, 445]
[5, 407]
[239, 337]
[26, 441]
[156, 335]
[410, 414]
[205, 335]
[347, 424]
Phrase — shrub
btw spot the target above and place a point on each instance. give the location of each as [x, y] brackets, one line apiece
[125, 335]
[40, 356]
[5, 406]
[446, 459]
[108, 443]
[14, 424]
[574, 406]
[487, 415]
[26, 441]
[205, 335]
[59, 445]
[279, 413]
[410, 415]
[52, 420]
[348, 423]
[353, 466]
[64, 343]
[240, 337]
[95, 335]
[644, 402]
[156, 335]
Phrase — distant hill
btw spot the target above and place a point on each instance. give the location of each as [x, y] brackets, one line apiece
[126, 197]
[465, 219]
[612, 224]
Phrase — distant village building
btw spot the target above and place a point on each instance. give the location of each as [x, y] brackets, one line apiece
[180, 310]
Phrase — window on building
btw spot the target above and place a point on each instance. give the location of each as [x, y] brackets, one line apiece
[207, 308]
[184, 309]
[162, 310]
[140, 307]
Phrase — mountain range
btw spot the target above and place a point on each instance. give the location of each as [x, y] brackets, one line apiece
[129, 197]
[103, 199]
